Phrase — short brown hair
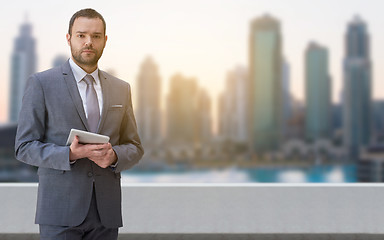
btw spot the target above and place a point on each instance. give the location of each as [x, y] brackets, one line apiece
[88, 13]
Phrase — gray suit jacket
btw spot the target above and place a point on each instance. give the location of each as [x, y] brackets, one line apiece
[51, 107]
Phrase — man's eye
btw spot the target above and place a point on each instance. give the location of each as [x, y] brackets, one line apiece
[80, 35]
[96, 36]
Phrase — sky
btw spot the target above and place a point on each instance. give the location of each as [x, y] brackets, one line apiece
[197, 38]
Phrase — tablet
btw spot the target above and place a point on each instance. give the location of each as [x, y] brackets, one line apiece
[86, 137]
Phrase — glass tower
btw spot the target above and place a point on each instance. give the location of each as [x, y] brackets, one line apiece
[233, 124]
[357, 88]
[188, 112]
[23, 64]
[265, 61]
[148, 113]
[318, 93]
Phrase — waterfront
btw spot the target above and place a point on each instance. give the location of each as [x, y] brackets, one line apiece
[313, 174]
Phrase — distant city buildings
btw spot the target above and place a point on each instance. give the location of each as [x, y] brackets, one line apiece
[265, 63]
[286, 98]
[357, 104]
[23, 64]
[188, 112]
[204, 116]
[148, 110]
[12, 170]
[296, 123]
[318, 123]
[378, 121]
[337, 123]
[370, 164]
[234, 107]
[256, 110]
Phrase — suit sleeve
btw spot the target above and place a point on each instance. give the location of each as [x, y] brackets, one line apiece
[30, 147]
[130, 150]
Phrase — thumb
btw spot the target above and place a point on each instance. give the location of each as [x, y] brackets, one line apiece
[76, 140]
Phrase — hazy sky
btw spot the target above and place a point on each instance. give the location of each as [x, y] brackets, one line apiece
[198, 38]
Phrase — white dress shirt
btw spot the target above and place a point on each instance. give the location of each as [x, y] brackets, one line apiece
[79, 74]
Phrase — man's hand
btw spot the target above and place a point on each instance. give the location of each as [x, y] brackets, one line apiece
[101, 154]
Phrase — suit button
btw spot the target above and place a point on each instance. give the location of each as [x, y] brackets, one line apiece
[90, 174]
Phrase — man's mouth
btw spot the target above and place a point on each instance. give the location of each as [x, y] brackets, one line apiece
[88, 51]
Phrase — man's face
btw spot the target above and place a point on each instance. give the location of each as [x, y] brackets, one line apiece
[87, 41]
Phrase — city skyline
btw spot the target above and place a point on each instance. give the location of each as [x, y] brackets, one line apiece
[224, 43]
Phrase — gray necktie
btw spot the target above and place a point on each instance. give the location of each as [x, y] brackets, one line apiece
[93, 110]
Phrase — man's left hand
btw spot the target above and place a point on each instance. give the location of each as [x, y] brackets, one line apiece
[104, 155]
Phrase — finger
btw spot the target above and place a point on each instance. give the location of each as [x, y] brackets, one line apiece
[106, 145]
[75, 140]
[99, 154]
[95, 148]
[102, 146]
[100, 150]
[98, 146]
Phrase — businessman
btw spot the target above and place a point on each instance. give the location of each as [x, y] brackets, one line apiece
[79, 194]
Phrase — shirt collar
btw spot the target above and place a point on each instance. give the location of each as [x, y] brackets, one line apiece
[79, 73]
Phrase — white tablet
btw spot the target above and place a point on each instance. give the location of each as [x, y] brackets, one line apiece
[86, 137]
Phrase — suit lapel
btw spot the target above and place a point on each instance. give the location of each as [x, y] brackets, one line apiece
[74, 92]
[105, 87]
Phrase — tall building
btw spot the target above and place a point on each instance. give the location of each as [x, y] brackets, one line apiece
[148, 113]
[378, 121]
[23, 64]
[181, 104]
[295, 128]
[265, 63]
[204, 118]
[287, 99]
[357, 88]
[233, 113]
[188, 111]
[318, 114]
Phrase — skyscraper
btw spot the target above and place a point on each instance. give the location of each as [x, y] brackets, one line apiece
[204, 118]
[317, 93]
[233, 113]
[188, 112]
[181, 107]
[23, 64]
[287, 99]
[148, 112]
[265, 59]
[357, 88]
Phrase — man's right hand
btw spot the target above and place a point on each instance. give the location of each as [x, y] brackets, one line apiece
[78, 150]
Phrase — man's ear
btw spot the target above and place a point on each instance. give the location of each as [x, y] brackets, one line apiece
[68, 39]
[106, 38]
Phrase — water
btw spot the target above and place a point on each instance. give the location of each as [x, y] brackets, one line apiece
[314, 174]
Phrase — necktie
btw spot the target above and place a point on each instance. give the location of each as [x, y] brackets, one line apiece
[93, 110]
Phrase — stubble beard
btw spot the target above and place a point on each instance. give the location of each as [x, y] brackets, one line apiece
[87, 62]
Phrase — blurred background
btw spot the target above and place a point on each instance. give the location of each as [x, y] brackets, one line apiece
[224, 91]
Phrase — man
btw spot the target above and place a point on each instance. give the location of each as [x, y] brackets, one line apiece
[79, 195]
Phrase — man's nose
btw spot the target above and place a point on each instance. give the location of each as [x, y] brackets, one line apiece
[88, 41]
